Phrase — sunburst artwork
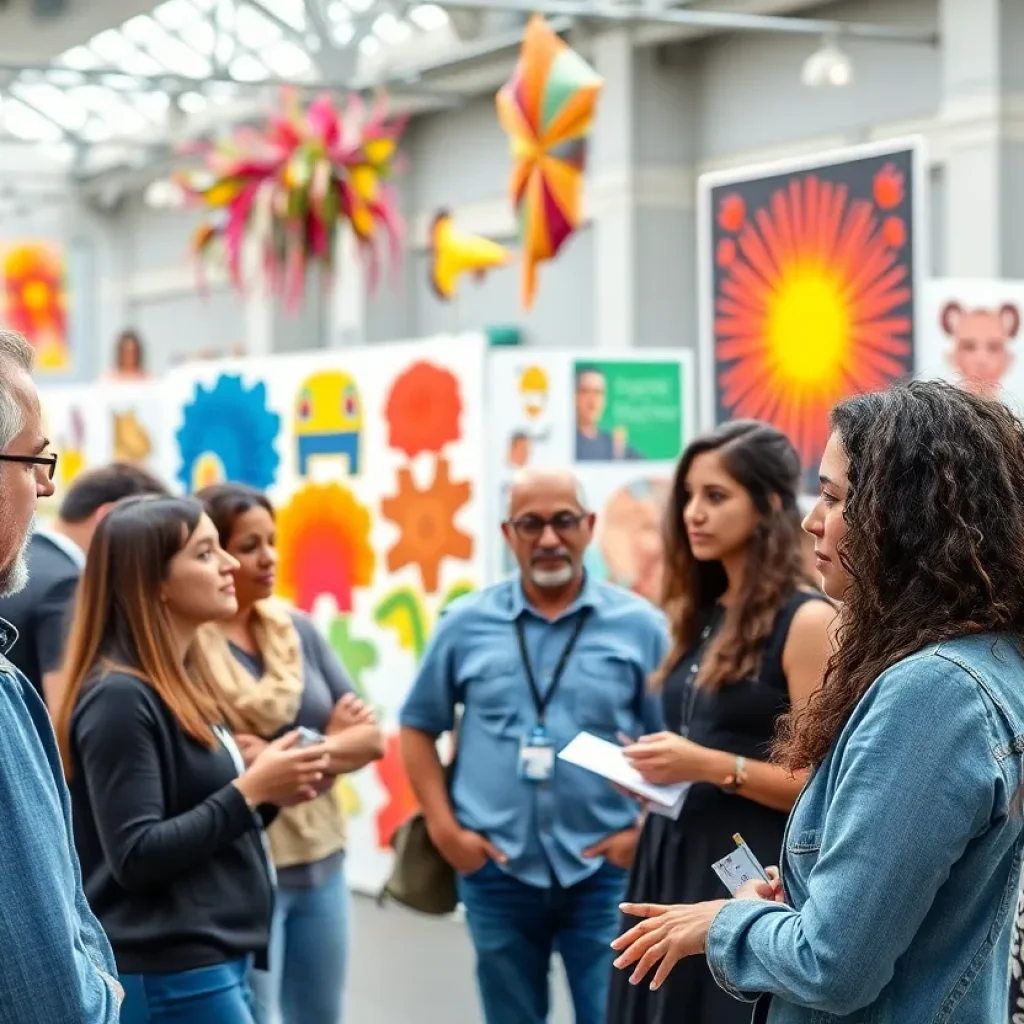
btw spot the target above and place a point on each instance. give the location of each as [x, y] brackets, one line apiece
[812, 288]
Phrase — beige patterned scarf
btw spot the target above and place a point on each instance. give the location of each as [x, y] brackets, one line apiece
[263, 707]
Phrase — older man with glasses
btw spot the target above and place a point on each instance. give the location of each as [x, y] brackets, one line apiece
[55, 962]
[541, 847]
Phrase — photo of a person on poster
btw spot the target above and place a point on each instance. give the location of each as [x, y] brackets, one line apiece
[593, 442]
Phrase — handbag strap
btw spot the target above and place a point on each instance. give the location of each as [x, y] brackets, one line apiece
[450, 767]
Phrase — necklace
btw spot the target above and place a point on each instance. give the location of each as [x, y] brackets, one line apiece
[690, 700]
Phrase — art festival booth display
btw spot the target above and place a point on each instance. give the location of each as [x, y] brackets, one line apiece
[91, 425]
[373, 458]
[620, 423]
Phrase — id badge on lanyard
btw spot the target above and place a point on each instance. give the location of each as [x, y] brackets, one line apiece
[536, 749]
[536, 756]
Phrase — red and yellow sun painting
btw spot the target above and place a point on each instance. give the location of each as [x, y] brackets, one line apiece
[813, 292]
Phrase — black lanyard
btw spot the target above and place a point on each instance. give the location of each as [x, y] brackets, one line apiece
[543, 700]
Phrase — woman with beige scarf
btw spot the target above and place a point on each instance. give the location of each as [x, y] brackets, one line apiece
[277, 673]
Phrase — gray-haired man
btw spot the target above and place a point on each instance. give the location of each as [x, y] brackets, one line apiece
[56, 966]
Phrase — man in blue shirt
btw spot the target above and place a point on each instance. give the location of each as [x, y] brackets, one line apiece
[541, 847]
[56, 966]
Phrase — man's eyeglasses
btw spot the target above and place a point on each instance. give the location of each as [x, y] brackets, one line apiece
[531, 527]
[47, 462]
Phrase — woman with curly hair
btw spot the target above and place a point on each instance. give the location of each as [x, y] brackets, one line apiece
[902, 856]
[750, 638]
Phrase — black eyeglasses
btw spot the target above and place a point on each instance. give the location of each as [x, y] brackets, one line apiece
[530, 527]
[49, 461]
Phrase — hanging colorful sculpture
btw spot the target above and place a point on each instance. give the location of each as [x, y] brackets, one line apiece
[294, 183]
[546, 109]
[454, 253]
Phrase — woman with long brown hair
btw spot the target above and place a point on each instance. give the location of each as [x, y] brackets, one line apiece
[750, 640]
[168, 820]
[275, 672]
[903, 854]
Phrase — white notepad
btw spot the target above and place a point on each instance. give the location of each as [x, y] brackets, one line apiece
[609, 761]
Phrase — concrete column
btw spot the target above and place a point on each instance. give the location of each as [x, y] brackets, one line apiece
[612, 164]
[258, 304]
[664, 193]
[641, 197]
[983, 106]
[348, 299]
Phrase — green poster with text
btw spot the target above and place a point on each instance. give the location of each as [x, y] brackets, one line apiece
[628, 410]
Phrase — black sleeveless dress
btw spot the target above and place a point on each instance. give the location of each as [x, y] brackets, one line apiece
[1015, 1013]
[673, 858]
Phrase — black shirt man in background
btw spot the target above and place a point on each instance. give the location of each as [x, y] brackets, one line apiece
[55, 557]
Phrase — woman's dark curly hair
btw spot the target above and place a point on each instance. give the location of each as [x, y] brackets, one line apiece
[764, 463]
[934, 543]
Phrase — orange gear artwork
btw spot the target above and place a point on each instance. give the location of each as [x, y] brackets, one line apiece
[401, 803]
[426, 520]
[323, 536]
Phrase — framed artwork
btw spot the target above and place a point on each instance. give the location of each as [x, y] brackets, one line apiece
[810, 279]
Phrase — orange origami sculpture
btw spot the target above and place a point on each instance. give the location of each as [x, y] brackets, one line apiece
[546, 109]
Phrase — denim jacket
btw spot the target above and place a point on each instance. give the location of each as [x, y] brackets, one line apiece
[56, 966]
[901, 858]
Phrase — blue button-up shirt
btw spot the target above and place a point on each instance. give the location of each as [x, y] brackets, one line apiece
[473, 659]
[56, 964]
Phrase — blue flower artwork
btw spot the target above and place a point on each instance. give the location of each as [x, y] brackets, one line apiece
[228, 433]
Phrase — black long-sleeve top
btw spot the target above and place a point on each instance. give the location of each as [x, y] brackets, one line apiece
[172, 857]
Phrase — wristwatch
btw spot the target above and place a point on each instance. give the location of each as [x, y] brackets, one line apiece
[735, 781]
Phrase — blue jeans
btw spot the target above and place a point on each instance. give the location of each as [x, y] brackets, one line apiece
[209, 995]
[308, 955]
[515, 929]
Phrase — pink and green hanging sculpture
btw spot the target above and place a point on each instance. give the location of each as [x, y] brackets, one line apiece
[294, 183]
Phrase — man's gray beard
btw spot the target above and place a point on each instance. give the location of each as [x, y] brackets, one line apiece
[553, 578]
[14, 578]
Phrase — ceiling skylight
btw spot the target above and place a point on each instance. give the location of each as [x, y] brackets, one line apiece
[201, 45]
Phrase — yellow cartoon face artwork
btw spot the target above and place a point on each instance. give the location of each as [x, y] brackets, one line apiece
[328, 420]
[533, 391]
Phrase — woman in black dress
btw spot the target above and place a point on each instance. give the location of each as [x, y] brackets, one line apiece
[750, 636]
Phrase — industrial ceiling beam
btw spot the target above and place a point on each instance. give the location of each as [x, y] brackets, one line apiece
[286, 28]
[163, 81]
[417, 79]
[332, 60]
[734, 21]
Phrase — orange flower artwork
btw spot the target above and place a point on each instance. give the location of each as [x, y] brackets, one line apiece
[401, 803]
[423, 409]
[35, 300]
[323, 536]
[813, 292]
[426, 521]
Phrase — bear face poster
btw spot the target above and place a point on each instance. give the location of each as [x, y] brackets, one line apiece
[971, 336]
